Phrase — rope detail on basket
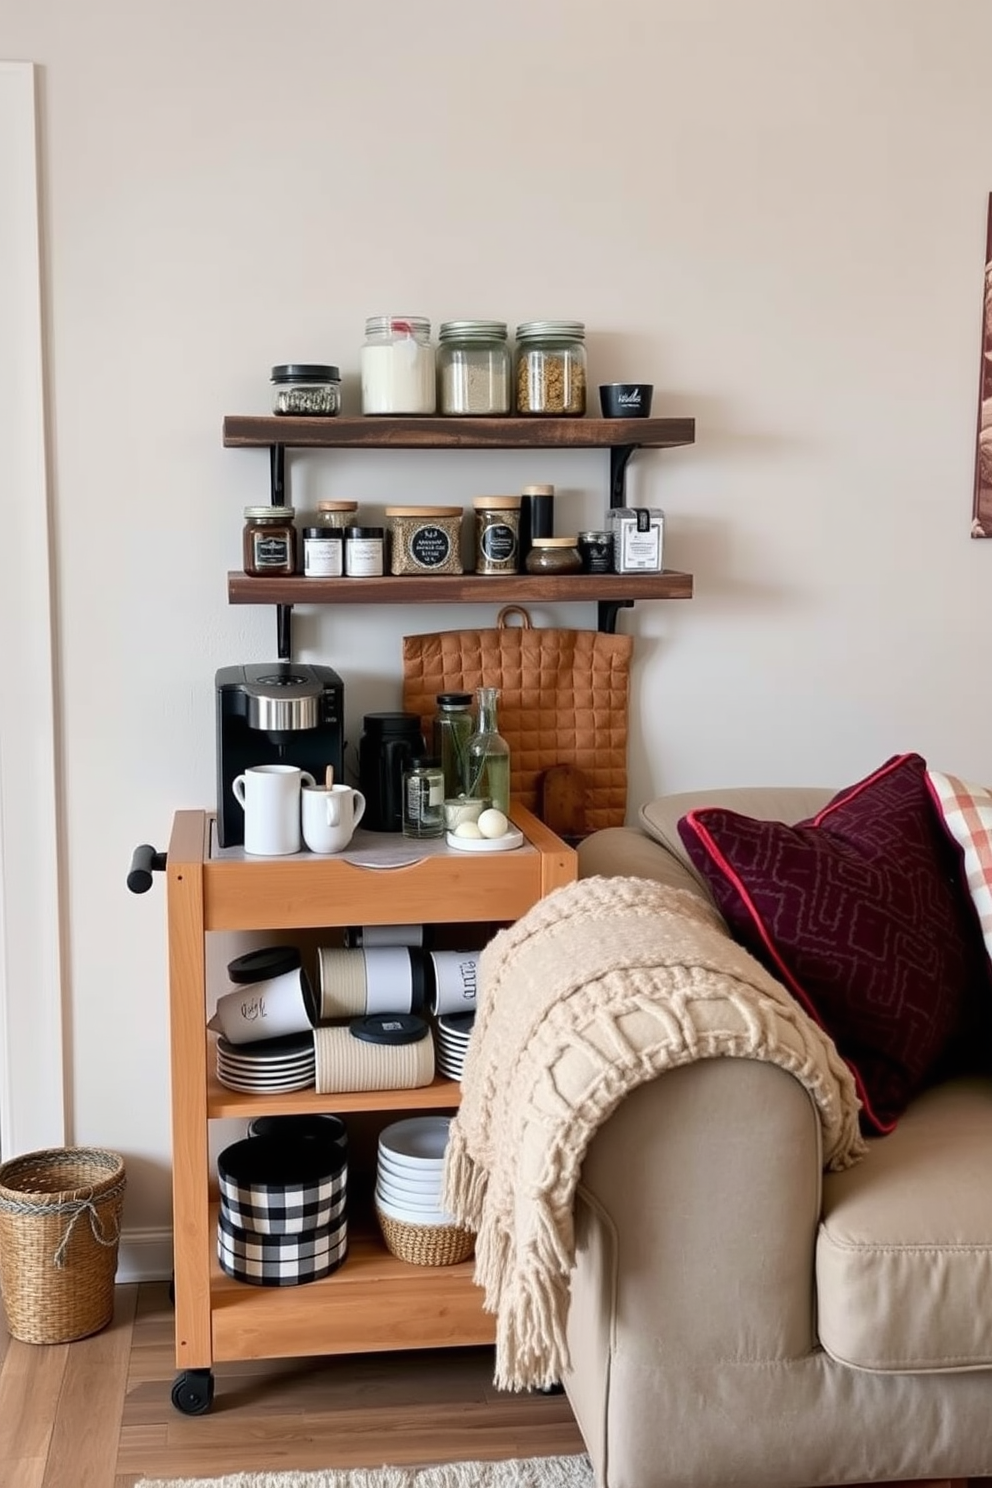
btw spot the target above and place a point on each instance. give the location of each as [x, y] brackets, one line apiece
[74, 1208]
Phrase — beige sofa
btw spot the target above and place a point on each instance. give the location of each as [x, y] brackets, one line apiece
[737, 1317]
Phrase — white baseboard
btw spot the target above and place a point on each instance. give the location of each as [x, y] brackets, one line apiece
[145, 1255]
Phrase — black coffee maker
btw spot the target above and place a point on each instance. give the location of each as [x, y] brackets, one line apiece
[389, 742]
[276, 713]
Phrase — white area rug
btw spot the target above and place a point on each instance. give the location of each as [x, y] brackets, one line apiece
[520, 1472]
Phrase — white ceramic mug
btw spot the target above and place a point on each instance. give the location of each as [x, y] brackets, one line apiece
[264, 1010]
[330, 816]
[270, 798]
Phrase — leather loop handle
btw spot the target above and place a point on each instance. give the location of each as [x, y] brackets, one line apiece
[513, 609]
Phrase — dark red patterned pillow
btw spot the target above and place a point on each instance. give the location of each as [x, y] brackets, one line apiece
[861, 913]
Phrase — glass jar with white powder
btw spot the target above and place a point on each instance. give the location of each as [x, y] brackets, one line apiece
[397, 361]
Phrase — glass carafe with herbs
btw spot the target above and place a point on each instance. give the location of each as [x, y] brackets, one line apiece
[487, 755]
[453, 727]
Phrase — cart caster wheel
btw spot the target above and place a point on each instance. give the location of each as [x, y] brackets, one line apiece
[556, 1388]
[193, 1391]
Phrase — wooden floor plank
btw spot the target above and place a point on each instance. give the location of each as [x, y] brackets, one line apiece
[92, 1393]
[31, 1377]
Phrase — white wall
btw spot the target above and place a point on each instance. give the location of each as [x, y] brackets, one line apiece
[776, 211]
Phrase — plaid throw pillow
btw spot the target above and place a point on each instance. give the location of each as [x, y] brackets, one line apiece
[967, 814]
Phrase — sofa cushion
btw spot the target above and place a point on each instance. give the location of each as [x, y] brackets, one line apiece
[904, 1248]
[861, 912]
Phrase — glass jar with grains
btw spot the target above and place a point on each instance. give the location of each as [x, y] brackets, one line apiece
[554, 555]
[473, 368]
[551, 368]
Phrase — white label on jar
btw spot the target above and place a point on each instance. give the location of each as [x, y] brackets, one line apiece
[363, 557]
[323, 557]
[641, 550]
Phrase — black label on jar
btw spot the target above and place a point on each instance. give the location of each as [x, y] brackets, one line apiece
[498, 544]
[430, 547]
[271, 552]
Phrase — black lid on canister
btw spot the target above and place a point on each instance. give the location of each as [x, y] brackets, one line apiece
[305, 372]
[389, 1028]
[258, 966]
[453, 699]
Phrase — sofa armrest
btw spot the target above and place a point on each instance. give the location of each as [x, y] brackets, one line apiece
[696, 1224]
[617, 852]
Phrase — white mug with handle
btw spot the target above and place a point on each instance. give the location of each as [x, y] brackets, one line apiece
[330, 815]
[270, 798]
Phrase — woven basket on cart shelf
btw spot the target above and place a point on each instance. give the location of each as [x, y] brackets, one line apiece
[425, 1245]
[60, 1222]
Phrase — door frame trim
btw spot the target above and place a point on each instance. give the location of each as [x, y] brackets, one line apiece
[32, 1064]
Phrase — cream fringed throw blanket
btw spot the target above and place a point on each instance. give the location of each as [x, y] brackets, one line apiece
[599, 987]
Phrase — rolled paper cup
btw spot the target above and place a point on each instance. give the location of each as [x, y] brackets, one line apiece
[455, 978]
[264, 1010]
[384, 935]
[341, 987]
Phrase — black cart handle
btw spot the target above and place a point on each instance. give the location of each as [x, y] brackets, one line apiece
[144, 862]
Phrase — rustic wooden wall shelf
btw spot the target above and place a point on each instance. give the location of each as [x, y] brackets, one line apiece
[611, 592]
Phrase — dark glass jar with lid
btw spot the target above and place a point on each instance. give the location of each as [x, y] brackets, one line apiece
[309, 388]
[551, 368]
[452, 729]
[554, 555]
[269, 541]
[474, 368]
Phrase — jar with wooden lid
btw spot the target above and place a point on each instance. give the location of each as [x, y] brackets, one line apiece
[551, 368]
[269, 541]
[425, 539]
[554, 555]
[338, 514]
[474, 368]
[497, 534]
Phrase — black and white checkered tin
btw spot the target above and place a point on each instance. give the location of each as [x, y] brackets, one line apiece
[273, 1187]
[280, 1260]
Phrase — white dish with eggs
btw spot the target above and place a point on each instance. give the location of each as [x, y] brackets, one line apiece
[510, 839]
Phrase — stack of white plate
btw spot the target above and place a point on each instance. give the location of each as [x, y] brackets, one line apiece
[410, 1168]
[271, 1065]
[451, 1043]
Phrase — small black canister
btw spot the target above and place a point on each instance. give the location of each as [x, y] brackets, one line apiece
[596, 551]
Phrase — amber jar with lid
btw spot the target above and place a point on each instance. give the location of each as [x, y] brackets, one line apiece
[497, 534]
[554, 555]
[269, 541]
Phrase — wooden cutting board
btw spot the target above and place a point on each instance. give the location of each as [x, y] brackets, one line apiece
[563, 801]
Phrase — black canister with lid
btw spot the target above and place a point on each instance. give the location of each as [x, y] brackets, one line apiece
[537, 518]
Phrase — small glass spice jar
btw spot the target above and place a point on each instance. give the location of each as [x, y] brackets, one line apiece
[364, 549]
[269, 541]
[397, 361]
[338, 514]
[551, 368]
[497, 534]
[311, 388]
[474, 368]
[596, 551]
[423, 798]
[554, 555]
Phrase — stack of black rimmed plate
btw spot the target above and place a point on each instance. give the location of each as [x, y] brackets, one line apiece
[269, 1066]
[452, 1038]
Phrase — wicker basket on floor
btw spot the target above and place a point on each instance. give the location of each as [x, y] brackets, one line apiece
[425, 1245]
[60, 1220]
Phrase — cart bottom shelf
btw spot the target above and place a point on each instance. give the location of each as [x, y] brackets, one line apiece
[372, 1303]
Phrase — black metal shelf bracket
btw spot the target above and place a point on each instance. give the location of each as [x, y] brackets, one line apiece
[280, 497]
[619, 457]
[607, 611]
